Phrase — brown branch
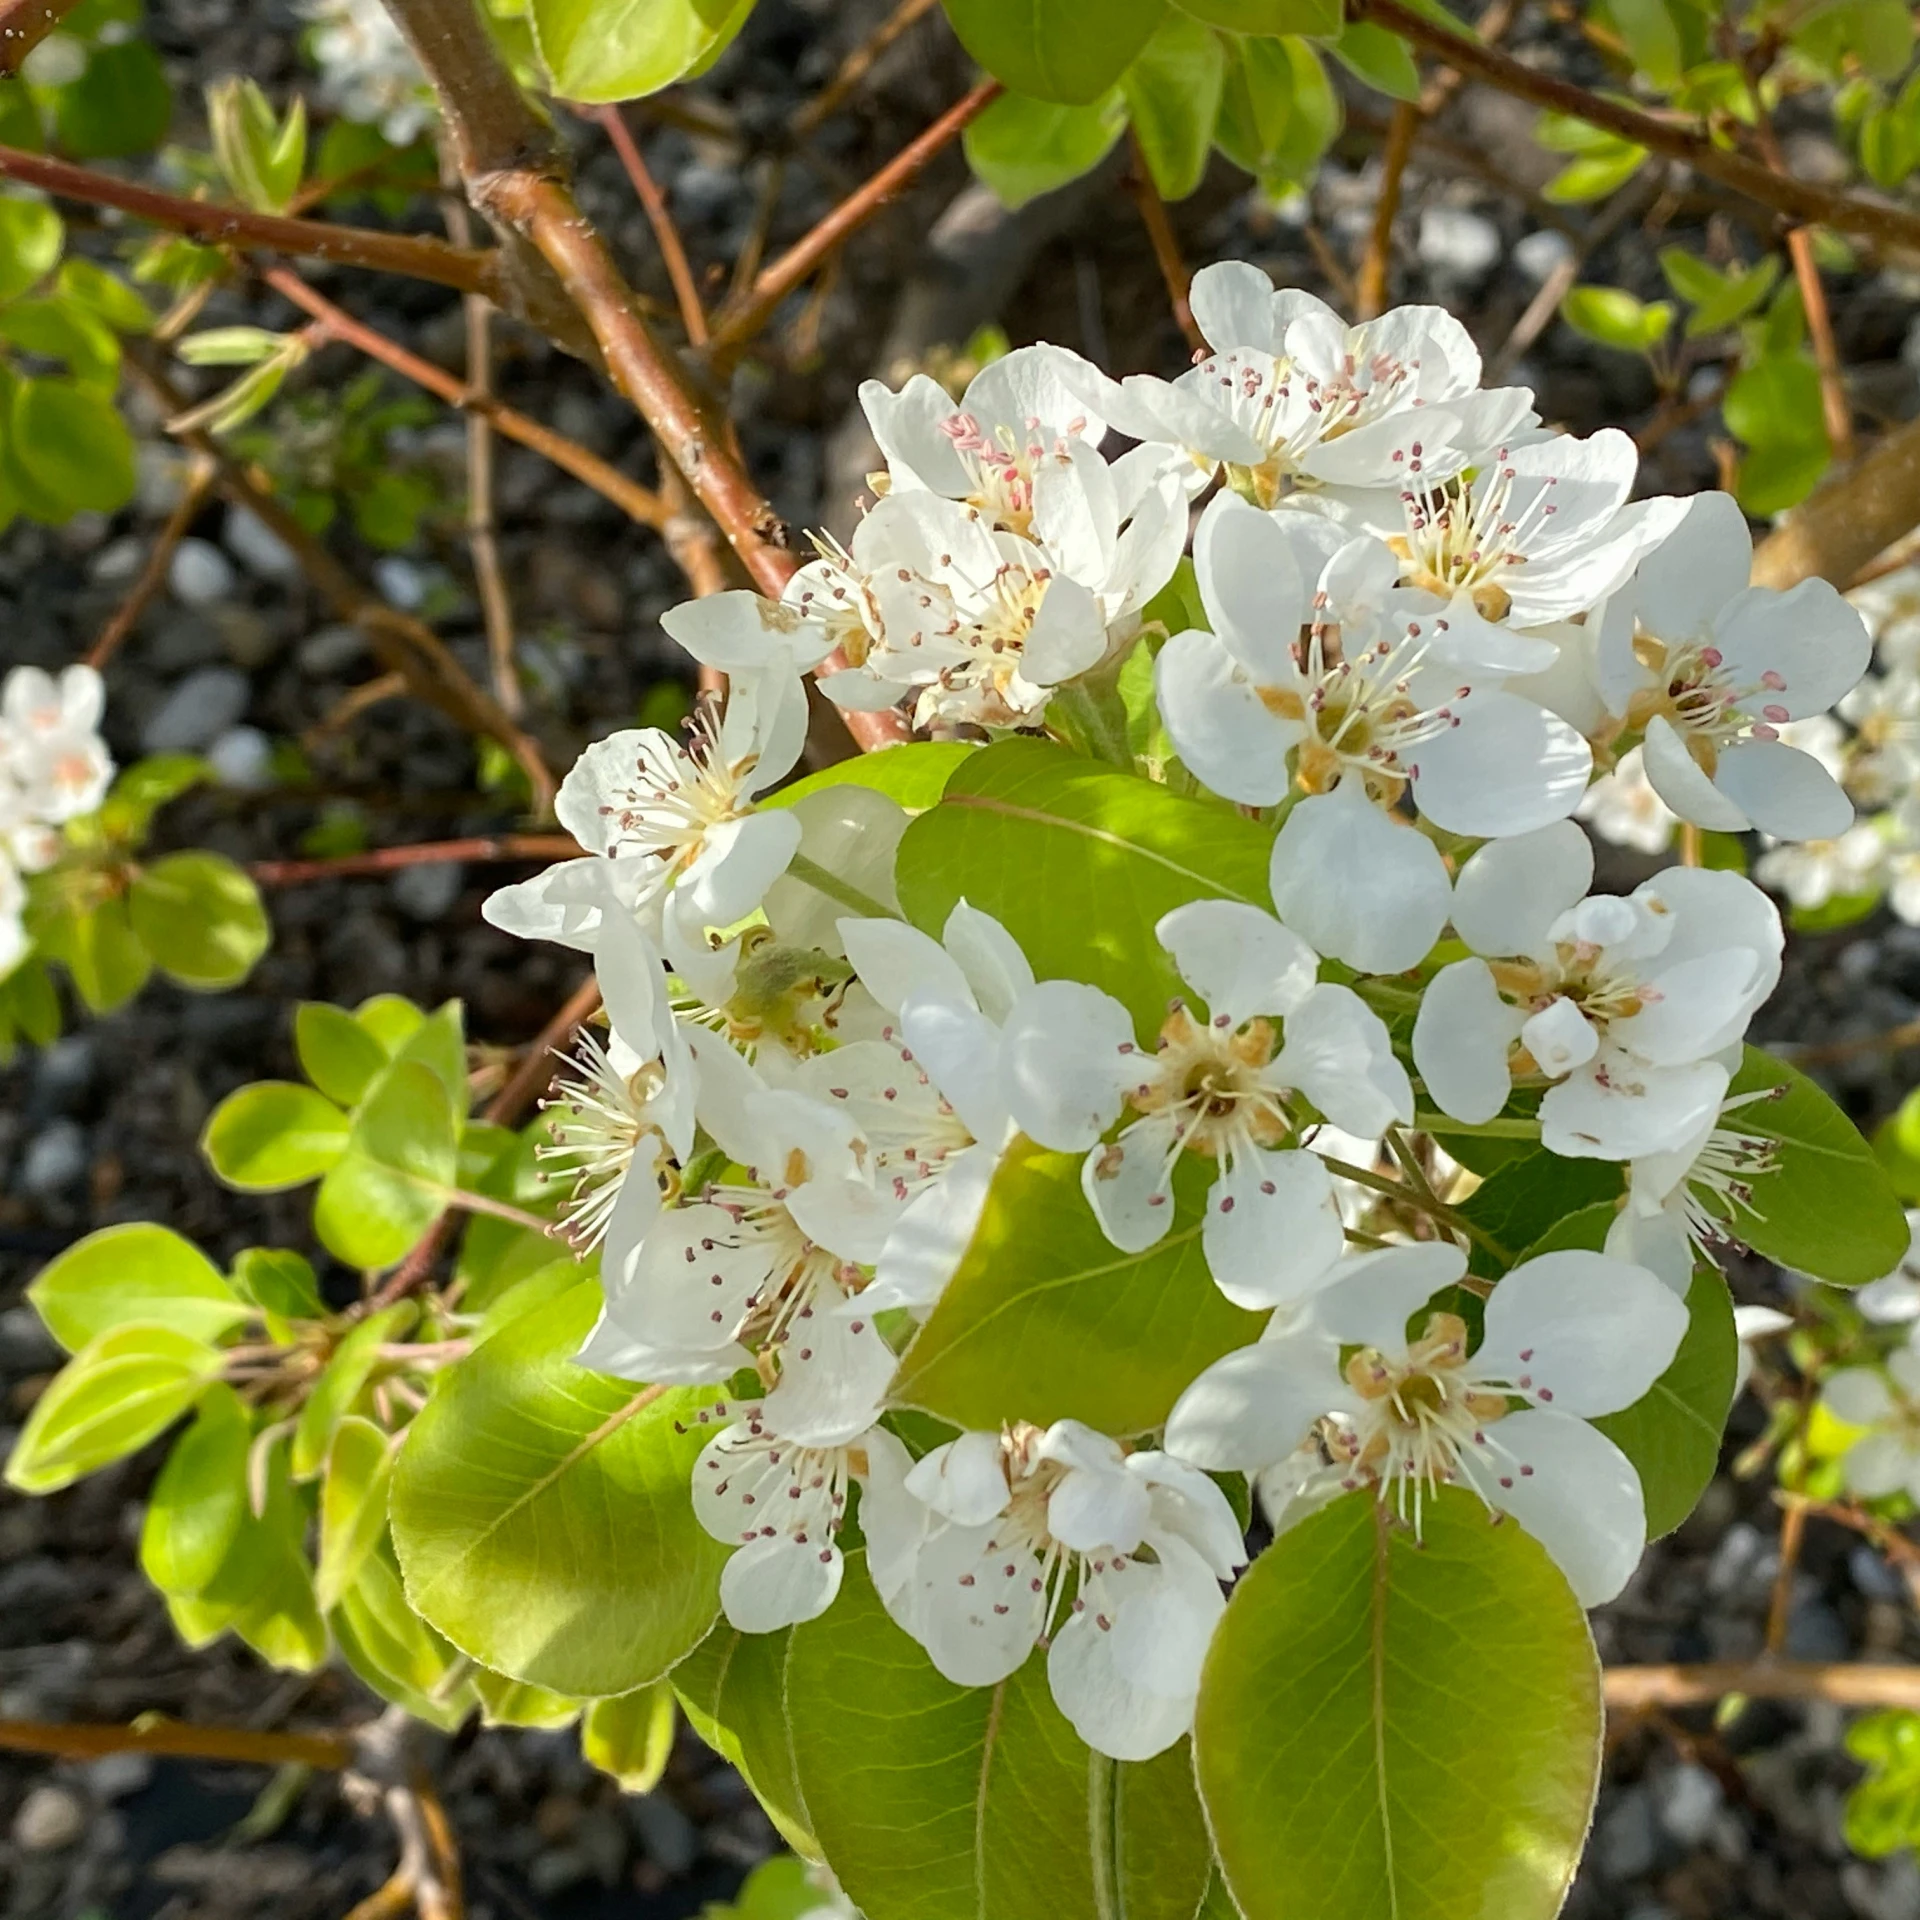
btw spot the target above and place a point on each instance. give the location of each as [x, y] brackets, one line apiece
[1793, 1528]
[1796, 199]
[23, 25]
[428, 853]
[1850, 518]
[82, 1741]
[420, 256]
[153, 576]
[740, 321]
[404, 645]
[854, 68]
[1166, 245]
[637, 502]
[673, 254]
[1370, 287]
[1846, 1683]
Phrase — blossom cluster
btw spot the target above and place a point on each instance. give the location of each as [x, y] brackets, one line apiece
[53, 767]
[1428, 621]
[367, 70]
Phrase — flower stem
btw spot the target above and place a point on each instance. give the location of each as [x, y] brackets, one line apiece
[1409, 1196]
[1506, 1127]
[821, 881]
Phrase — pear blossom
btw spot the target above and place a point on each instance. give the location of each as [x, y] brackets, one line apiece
[50, 745]
[1883, 757]
[1812, 872]
[1222, 1082]
[1752, 1325]
[780, 1504]
[1708, 670]
[1568, 1337]
[1891, 608]
[1895, 1296]
[1624, 1004]
[1886, 1402]
[1624, 810]
[368, 72]
[975, 1549]
[14, 943]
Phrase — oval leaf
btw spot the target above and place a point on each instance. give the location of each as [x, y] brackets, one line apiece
[273, 1135]
[1065, 50]
[139, 1272]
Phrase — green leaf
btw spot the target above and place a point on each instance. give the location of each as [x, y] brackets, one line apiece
[1382, 59]
[733, 1688]
[1776, 400]
[439, 1041]
[353, 1506]
[1597, 174]
[1268, 17]
[1522, 1199]
[631, 1736]
[136, 1273]
[1647, 26]
[348, 1369]
[1672, 1434]
[392, 1182]
[31, 236]
[605, 50]
[1173, 92]
[1718, 299]
[394, 1651]
[1069, 51]
[1079, 861]
[73, 444]
[1827, 1208]
[1022, 148]
[105, 295]
[121, 105]
[1614, 318]
[1777, 475]
[1040, 1280]
[201, 918]
[279, 1283]
[543, 1514]
[914, 774]
[109, 1400]
[1390, 1727]
[58, 329]
[199, 1501]
[336, 1051]
[274, 1135]
[392, 1019]
[1279, 112]
[933, 1800]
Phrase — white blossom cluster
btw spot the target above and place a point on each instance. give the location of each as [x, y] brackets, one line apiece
[367, 70]
[1428, 620]
[53, 767]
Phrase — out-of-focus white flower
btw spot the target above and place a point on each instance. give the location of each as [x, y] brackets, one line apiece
[1895, 1296]
[1883, 759]
[367, 70]
[1891, 608]
[13, 928]
[1812, 872]
[50, 742]
[1751, 1325]
[1886, 1458]
[1623, 809]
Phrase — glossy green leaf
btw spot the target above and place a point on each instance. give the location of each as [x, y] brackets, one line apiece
[1382, 59]
[201, 918]
[394, 1651]
[1522, 1200]
[353, 1506]
[733, 1688]
[932, 1800]
[1040, 1280]
[349, 1367]
[1394, 1727]
[63, 330]
[273, 1135]
[1653, 38]
[1022, 148]
[1172, 92]
[440, 1042]
[605, 50]
[392, 1019]
[391, 1184]
[914, 774]
[1595, 175]
[1614, 318]
[72, 442]
[278, 1282]
[631, 1736]
[1268, 17]
[199, 1501]
[543, 1515]
[109, 1400]
[31, 235]
[106, 959]
[135, 1273]
[1278, 112]
[121, 105]
[1070, 51]
[1079, 861]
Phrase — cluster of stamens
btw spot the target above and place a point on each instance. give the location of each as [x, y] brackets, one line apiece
[1701, 701]
[599, 1117]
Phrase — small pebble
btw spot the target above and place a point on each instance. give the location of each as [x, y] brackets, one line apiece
[55, 1160]
[49, 1819]
[117, 562]
[1455, 241]
[255, 545]
[665, 1832]
[425, 893]
[1627, 1842]
[200, 573]
[198, 711]
[1690, 1800]
[1537, 254]
[400, 581]
[329, 651]
[243, 758]
[1872, 1577]
[116, 1775]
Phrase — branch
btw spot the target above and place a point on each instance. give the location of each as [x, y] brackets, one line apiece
[745, 318]
[1846, 1683]
[153, 576]
[1798, 200]
[854, 68]
[429, 853]
[1165, 244]
[693, 316]
[23, 25]
[81, 1741]
[1370, 288]
[1849, 518]
[420, 256]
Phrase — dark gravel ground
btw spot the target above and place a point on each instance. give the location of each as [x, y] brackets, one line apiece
[100, 1128]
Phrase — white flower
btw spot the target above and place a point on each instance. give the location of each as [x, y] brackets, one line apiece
[1622, 1002]
[1886, 1458]
[13, 929]
[1895, 1296]
[368, 72]
[781, 1505]
[50, 742]
[974, 1550]
[1882, 761]
[1623, 809]
[1682, 1203]
[1891, 608]
[1812, 872]
[1292, 398]
[1709, 669]
[1568, 1336]
[1751, 1325]
[1221, 1084]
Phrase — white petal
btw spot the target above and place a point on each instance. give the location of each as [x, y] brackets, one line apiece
[1783, 791]
[1218, 723]
[931, 1236]
[1374, 1294]
[1507, 767]
[1858, 1395]
[1129, 1184]
[1591, 1334]
[989, 956]
[1684, 584]
[1251, 584]
[977, 1622]
[547, 907]
[682, 1291]
[1100, 1691]
[1232, 303]
[907, 428]
[1560, 1037]
[965, 1479]
[741, 632]
[1462, 1036]
[1357, 885]
[1880, 1464]
[1273, 1229]
[1069, 1055]
[1635, 1111]
[1068, 635]
[1256, 1405]
[1657, 1241]
[894, 960]
[778, 1582]
[1678, 779]
[1571, 1488]
[1512, 891]
[1240, 961]
[1338, 1052]
[834, 1373]
[1686, 1007]
[738, 862]
[1808, 636]
[1092, 1509]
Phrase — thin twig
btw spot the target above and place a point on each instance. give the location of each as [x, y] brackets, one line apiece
[350, 866]
[1793, 1527]
[854, 68]
[694, 543]
[1399, 1190]
[85, 1741]
[1797, 199]
[23, 25]
[153, 576]
[1846, 1683]
[1370, 286]
[1826, 1052]
[535, 1067]
[1166, 245]
[673, 253]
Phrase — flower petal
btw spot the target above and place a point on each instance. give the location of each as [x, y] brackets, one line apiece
[1506, 767]
[1129, 1184]
[1240, 961]
[1214, 715]
[1462, 1036]
[1069, 1055]
[1783, 791]
[1255, 1406]
[778, 1581]
[1338, 1052]
[1273, 1229]
[1512, 891]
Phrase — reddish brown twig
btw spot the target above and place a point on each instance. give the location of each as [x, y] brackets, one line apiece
[1793, 1527]
[1166, 245]
[1846, 1683]
[84, 1741]
[673, 255]
[419, 256]
[1370, 286]
[23, 25]
[428, 853]
[637, 502]
[740, 321]
[153, 576]
[855, 67]
[1797, 199]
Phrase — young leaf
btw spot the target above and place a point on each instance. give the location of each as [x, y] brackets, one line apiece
[336, 1051]
[631, 1736]
[1047, 1320]
[72, 442]
[31, 236]
[1382, 59]
[1614, 318]
[1173, 94]
[1270, 17]
[733, 1689]
[135, 1273]
[393, 1650]
[392, 1182]
[932, 1800]
[273, 1135]
[353, 1506]
[1052, 49]
[915, 774]
[1022, 148]
[199, 1501]
[99, 948]
[543, 1515]
[598, 53]
[1397, 1726]
[347, 1371]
